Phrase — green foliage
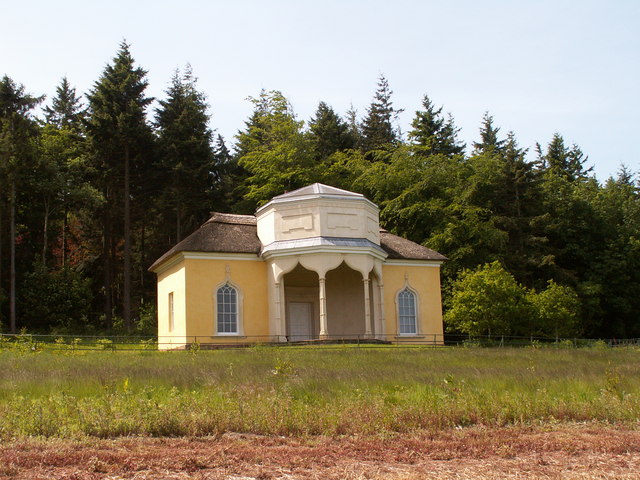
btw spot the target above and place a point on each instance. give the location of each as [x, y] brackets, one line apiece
[273, 149]
[329, 133]
[432, 134]
[377, 129]
[66, 108]
[105, 344]
[96, 192]
[557, 310]
[563, 161]
[488, 301]
[55, 299]
[121, 143]
[185, 155]
[489, 142]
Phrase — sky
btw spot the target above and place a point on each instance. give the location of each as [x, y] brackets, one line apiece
[537, 67]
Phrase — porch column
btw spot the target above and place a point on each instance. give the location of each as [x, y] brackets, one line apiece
[323, 309]
[278, 311]
[367, 309]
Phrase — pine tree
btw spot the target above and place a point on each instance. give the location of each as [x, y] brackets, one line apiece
[563, 161]
[120, 139]
[66, 109]
[17, 129]
[489, 142]
[377, 128]
[354, 126]
[185, 152]
[432, 134]
[63, 159]
[329, 133]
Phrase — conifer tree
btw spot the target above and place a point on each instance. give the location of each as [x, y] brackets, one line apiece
[227, 177]
[432, 134]
[17, 128]
[66, 108]
[489, 142]
[186, 156]
[63, 158]
[353, 125]
[563, 161]
[120, 138]
[377, 128]
[329, 133]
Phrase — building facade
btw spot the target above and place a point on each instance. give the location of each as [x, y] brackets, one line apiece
[310, 265]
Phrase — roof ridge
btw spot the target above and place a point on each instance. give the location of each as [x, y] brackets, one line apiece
[232, 218]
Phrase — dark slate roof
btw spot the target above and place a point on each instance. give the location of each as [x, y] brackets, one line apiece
[399, 248]
[227, 233]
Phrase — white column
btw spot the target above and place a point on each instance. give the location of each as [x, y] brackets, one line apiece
[278, 311]
[367, 309]
[323, 308]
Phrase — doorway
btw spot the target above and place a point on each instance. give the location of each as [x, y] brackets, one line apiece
[300, 321]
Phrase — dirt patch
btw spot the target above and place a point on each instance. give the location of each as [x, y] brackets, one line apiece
[558, 452]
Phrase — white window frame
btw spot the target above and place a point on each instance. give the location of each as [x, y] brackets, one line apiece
[239, 310]
[416, 305]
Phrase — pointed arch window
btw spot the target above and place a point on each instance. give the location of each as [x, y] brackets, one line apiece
[227, 321]
[407, 317]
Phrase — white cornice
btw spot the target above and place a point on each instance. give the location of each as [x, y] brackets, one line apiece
[221, 256]
[337, 200]
[167, 264]
[413, 262]
[180, 256]
[315, 249]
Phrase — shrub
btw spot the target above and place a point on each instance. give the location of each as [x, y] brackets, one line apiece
[488, 301]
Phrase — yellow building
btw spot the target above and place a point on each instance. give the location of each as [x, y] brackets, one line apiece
[312, 264]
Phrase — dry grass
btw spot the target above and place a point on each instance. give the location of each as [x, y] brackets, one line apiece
[568, 451]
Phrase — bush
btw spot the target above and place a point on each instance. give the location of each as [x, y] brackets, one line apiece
[488, 301]
[58, 300]
[556, 310]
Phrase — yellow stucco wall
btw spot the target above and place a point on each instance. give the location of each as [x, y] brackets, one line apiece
[171, 280]
[193, 282]
[425, 281]
[204, 276]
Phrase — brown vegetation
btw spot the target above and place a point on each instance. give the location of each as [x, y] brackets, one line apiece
[567, 451]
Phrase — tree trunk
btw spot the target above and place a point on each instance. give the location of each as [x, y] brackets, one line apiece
[143, 260]
[1, 239]
[108, 264]
[64, 237]
[12, 268]
[45, 233]
[178, 223]
[126, 302]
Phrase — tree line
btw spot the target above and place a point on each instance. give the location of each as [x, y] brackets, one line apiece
[95, 188]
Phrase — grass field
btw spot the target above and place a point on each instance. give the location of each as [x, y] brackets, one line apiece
[312, 391]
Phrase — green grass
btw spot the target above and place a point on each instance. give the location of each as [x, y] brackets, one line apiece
[287, 391]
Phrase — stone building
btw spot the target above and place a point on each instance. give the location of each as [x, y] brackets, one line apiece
[312, 264]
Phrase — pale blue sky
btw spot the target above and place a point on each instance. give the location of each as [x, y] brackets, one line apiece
[537, 67]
